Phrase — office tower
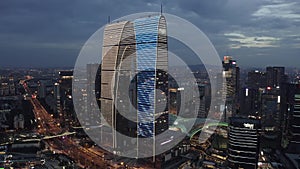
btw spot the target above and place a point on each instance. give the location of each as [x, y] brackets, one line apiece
[220, 95]
[291, 118]
[202, 93]
[45, 93]
[207, 95]
[250, 99]
[231, 74]
[92, 95]
[64, 86]
[56, 91]
[256, 79]
[243, 143]
[42, 89]
[135, 63]
[65, 81]
[175, 100]
[271, 116]
[275, 76]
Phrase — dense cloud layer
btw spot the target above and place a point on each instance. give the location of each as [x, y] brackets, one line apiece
[256, 32]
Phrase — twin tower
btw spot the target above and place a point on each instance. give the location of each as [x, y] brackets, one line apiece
[134, 79]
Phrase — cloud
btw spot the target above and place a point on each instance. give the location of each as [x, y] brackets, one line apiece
[240, 40]
[56, 29]
[280, 10]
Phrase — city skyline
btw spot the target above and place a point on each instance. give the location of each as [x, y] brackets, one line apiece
[150, 84]
[38, 34]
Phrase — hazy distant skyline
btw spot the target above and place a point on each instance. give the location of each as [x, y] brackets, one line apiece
[50, 33]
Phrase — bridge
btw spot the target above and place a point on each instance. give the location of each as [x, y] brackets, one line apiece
[38, 139]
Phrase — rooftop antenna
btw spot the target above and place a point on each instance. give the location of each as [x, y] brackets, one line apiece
[161, 8]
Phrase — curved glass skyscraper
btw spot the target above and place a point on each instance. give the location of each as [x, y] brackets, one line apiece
[134, 78]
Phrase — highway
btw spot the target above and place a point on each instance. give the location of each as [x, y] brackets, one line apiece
[47, 125]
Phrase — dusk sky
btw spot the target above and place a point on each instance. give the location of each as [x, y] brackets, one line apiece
[46, 33]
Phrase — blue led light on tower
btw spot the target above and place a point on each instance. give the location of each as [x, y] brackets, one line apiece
[146, 33]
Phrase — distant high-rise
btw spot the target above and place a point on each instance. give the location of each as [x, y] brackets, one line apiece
[42, 90]
[202, 112]
[275, 76]
[135, 53]
[63, 94]
[220, 95]
[231, 74]
[57, 101]
[175, 100]
[250, 101]
[243, 143]
[290, 108]
[256, 79]
[270, 113]
[259, 88]
[251, 94]
[92, 76]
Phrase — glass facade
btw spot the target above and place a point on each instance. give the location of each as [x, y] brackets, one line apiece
[243, 142]
[135, 52]
[146, 44]
[152, 65]
[112, 36]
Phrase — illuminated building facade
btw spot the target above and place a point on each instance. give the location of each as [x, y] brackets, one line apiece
[63, 95]
[243, 142]
[152, 65]
[291, 118]
[231, 73]
[135, 51]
